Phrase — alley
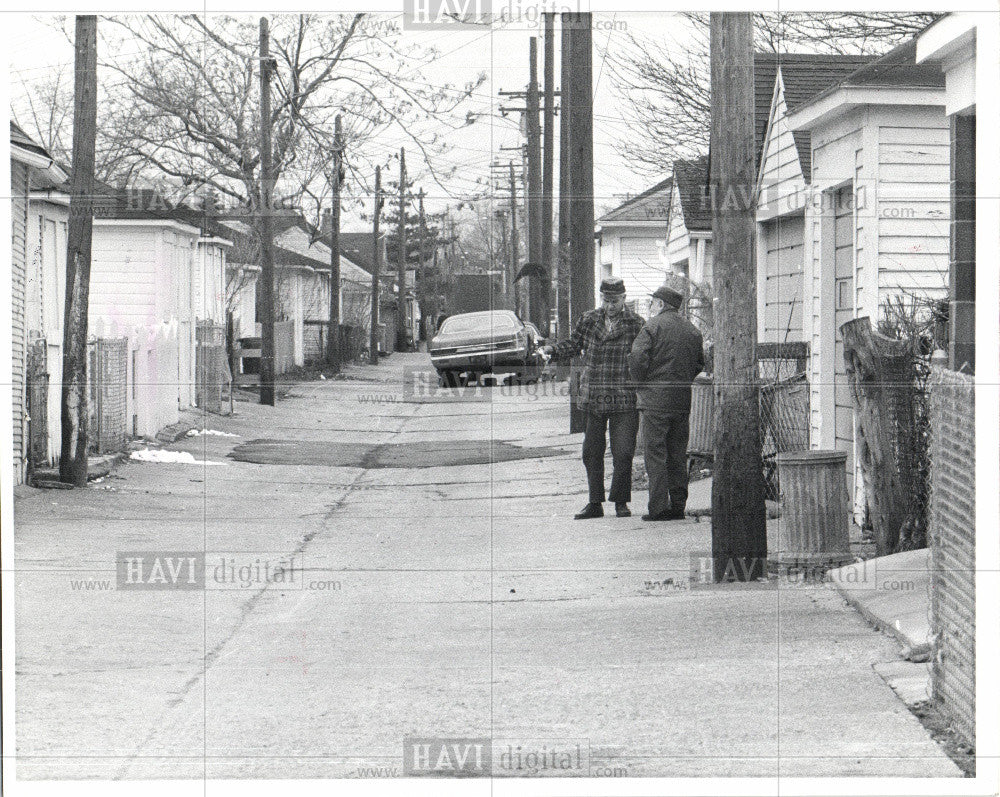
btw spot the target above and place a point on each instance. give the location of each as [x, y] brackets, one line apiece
[442, 590]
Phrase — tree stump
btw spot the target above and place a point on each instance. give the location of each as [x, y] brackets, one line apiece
[881, 379]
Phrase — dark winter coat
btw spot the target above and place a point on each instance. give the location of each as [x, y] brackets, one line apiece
[666, 357]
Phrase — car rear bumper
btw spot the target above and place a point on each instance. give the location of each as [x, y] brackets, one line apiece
[481, 361]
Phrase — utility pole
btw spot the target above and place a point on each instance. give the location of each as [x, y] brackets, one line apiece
[421, 279]
[266, 231]
[376, 267]
[581, 164]
[514, 244]
[401, 265]
[739, 542]
[73, 460]
[547, 160]
[538, 301]
[333, 336]
[564, 295]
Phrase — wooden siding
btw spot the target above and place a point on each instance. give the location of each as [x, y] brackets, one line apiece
[782, 183]
[679, 248]
[913, 215]
[782, 249]
[19, 232]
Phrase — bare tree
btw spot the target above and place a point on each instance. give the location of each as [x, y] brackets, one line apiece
[188, 107]
[665, 90]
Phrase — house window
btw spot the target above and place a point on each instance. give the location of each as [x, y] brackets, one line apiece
[844, 299]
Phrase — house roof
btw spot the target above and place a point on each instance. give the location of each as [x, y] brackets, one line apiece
[896, 69]
[651, 205]
[23, 140]
[45, 172]
[692, 187]
[358, 247]
[803, 75]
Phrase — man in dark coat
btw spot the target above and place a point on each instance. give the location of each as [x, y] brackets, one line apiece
[605, 336]
[666, 357]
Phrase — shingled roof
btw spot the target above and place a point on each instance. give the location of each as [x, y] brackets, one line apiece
[652, 205]
[803, 76]
[692, 186]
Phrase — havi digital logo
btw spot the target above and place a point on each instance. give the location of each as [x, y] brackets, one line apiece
[455, 757]
[442, 14]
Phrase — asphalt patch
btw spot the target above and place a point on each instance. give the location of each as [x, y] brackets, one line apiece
[431, 454]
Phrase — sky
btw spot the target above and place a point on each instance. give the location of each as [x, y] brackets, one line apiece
[36, 49]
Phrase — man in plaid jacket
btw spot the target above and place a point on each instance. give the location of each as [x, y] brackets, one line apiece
[605, 336]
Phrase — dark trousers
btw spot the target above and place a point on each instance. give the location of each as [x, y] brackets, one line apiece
[665, 439]
[623, 427]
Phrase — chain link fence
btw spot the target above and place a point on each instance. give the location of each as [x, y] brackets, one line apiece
[107, 363]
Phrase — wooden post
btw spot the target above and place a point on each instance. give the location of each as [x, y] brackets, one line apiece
[420, 282]
[548, 155]
[401, 264]
[581, 166]
[376, 267]
[333, 356]
[514, 243]
[73, 459]
[739, 543]
[877, 368]
[266, 229]
[563, 292]
[533, 152]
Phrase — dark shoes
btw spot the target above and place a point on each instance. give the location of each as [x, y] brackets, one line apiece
[589, 511]
[622, 510]
[670, 514]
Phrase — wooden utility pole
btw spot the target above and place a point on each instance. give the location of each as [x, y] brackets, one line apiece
[376, 267]
[739, 542]
[401, 265]
[333, 336]
[565, 189]
[548, 157]
[73, 459]
[514, 243]
[266, 229]
[420, 283]
[581, 165]
[533, 159]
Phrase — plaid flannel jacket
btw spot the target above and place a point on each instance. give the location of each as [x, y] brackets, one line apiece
[606, 386]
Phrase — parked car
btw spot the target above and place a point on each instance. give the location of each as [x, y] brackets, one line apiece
[492, 341]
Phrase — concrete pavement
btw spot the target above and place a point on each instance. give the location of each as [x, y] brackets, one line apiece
[433, 600]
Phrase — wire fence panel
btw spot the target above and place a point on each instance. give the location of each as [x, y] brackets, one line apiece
[107, 361]
[952, 532]
[213, 378]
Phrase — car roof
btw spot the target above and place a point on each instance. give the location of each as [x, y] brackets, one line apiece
[485, 313]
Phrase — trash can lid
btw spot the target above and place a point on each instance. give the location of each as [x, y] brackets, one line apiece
[811, 457]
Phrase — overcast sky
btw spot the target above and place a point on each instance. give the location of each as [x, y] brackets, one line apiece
[35, 49]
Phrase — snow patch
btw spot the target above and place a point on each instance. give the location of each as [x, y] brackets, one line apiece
[196, 432]
[157, 455]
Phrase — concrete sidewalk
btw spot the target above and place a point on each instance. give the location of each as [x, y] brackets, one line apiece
[436, 600]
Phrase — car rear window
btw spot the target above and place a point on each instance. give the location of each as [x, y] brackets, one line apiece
[477, 323]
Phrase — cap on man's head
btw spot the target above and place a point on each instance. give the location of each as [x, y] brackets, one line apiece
[612, 285]
[668, 296]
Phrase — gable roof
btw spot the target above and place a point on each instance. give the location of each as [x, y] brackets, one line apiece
[692, 187]
[803, 75]
[652, 205]
[897, 69]
[358, 247]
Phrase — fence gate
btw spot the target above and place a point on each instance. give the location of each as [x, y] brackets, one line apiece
[213, 379]
[107, 363]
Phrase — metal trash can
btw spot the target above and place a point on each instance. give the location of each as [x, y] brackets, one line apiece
[813, 529]
[701, 435]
